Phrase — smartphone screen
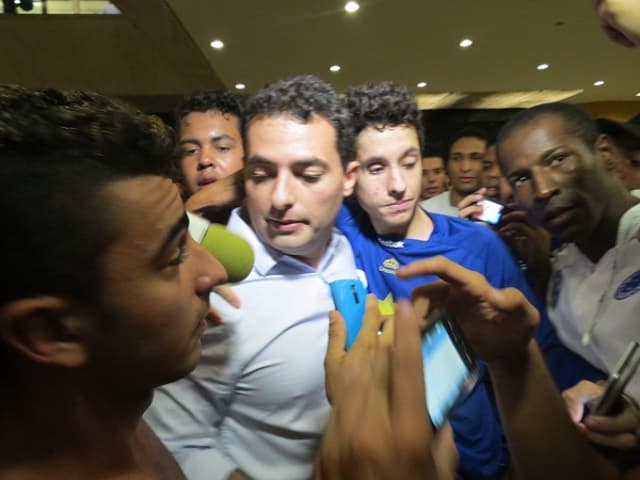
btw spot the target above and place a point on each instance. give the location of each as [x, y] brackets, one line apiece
[449, 370]
[491, 211]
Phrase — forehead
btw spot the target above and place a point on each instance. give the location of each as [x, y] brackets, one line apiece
[386, 140]
[527, 143]
[284, 139]
[146, 208]
[468, 144]
[211, 120]
[433, 162]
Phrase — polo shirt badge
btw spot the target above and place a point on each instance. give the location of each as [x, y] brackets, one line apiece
[628, 287]
[390, 265]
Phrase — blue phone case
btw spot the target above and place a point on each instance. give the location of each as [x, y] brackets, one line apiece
[350, 298]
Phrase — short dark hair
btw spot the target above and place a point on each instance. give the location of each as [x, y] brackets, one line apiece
[216, 100]
[433, 150]
[58, 152]
[302, 97]
[382, 104]
[576, 121]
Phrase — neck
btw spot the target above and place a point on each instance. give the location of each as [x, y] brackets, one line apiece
[455, 197]
[53, 429]
[604, 236]
[420, 227]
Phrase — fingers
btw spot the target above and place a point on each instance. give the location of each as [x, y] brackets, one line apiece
[368, 335]
[513, 302]
[625, 421]
[623, 441]
[407, 379]
[335, 354]
[445, 453]
[449, 271]
[226, 292]
[578, 396]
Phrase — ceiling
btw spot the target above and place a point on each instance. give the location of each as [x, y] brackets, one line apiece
[409, 41]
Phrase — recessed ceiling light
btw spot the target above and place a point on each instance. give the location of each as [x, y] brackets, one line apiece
[352, 7]
[421, 84]
[598, 83]
[543, 66]
[466, 43]
[217, 44]
[638, 94]
[240, 86]
[334, 68]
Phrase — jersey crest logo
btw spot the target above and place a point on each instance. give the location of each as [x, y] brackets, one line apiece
[390, 265]
[556, 286]
[628, 287]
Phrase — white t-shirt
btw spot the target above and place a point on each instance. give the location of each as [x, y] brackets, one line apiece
[596, 307]
[440, 203]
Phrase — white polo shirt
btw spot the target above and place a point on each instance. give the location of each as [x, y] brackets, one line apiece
[440, 203]
[596, 307]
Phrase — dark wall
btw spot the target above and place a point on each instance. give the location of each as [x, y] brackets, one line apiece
[441, 125]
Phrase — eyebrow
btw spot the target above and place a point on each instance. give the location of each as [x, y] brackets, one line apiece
[379, 159]
[307, 162]
[175, 232]
[216, 138]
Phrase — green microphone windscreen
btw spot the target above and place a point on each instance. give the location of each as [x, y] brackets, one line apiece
[231, 250]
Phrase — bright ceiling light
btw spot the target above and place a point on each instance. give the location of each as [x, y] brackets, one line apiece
[217, 44]
[334, 68]
[421, 84]
[638, 94]
[352, 7]
[466, 43]
[598, 83]
[543, 66]
[240, 86]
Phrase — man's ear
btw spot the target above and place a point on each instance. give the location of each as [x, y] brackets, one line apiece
[46, 330]
[606, 151]
[350, 176]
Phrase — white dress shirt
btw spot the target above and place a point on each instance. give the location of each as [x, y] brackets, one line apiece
[257, 401]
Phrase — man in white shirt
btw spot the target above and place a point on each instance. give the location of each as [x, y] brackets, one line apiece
[549, 155]
[464, 167]
[256, 405]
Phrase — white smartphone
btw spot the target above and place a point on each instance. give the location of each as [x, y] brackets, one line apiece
[491, 211]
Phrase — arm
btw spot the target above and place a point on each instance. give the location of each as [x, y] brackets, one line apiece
[499, 324]
[620, 20]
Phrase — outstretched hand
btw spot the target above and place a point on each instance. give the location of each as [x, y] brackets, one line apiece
[498, 323]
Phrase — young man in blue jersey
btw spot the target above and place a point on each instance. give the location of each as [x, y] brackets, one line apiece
[387, 230]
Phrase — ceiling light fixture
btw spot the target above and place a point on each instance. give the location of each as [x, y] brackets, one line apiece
[334, 68]
[466, 43]
[352, 7]
[217, 44]
[638, 94]
[598, 83]
[421, 84]
[543, 66]
[240, 86]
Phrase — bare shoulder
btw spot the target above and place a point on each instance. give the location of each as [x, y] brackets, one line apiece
[153, 456]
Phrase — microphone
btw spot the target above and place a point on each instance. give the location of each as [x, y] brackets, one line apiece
[232, 251]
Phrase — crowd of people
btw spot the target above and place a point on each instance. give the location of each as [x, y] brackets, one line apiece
[126, 354]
